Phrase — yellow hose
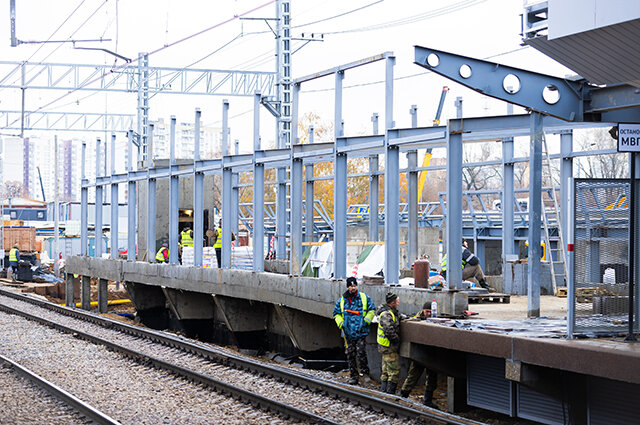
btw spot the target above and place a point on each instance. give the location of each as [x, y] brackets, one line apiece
[112, 302]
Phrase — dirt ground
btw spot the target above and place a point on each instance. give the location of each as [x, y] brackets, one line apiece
[550, 306]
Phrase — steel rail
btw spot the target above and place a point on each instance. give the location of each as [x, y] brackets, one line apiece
[313, 383]
[256, 400]
[83, 408]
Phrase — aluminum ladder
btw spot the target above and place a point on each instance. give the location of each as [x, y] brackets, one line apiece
[558, 274]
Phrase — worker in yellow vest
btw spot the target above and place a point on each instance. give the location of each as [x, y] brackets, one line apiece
[217, 242]
[186, 237]
[162, 256]
[14, 257]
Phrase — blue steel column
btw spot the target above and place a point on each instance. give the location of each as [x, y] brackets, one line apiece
[151, 201]
[198, 195]
[412, 198]
[309, 195]
[373, 188]
[84, 201]
[226, 217]
[391, 186]
[225, 127]
[114, 202]
[454, 208]
[173, 197]
[258, 192]
[566, 172]
[295, 263]
[296, 217]
[569, 203]
[508, 243]
[281, 214]
[535, 210]
[339, 190]
[131, 204]
[98, 226]
[235, 194]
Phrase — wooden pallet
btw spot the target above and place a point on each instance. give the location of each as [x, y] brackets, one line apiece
[561, 292]
[489, 298]
[585, 295]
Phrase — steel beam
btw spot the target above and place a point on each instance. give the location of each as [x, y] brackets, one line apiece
[98, 224]
[65, 121]
[342, 68]
[453, 214]
[114, 202]
[374, 187]
[258, 191]
[226, 217]
[492, 79]
[281, 213]
[296, 217]
[535, 215]
[151, 220]
[508, 196]
[309, 195]
[412, 196]
[84, 201]
[339, 189]
[131, 203]
[566, 173]
[174, 193]
[198, 197]
[86, 77]
[391, 183]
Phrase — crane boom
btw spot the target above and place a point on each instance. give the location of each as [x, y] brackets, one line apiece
[427, 156]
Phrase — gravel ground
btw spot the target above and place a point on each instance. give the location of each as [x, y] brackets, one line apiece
[320, 404]
[22, 402]
[128, 392]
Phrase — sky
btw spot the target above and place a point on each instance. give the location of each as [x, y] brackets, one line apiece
[350, 31]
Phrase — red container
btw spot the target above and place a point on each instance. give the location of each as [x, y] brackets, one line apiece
[421, 273]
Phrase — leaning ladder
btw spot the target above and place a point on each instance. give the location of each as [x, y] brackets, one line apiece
[547, 217]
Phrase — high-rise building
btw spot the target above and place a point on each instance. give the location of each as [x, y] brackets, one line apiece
[210, 140]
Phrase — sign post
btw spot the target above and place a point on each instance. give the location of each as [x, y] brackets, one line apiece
[629, 141]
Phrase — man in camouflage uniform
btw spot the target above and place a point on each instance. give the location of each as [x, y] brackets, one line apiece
[389, 343]
[353, 314]
[416, 369]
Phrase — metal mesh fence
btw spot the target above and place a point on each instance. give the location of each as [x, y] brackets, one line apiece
[601, 256]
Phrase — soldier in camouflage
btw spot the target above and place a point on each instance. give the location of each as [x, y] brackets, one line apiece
[389, 343]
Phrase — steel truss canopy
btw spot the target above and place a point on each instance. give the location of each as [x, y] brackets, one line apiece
[71, 77]
[569, 100]
[66, 121]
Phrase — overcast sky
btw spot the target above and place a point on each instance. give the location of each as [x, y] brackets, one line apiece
[478, 28]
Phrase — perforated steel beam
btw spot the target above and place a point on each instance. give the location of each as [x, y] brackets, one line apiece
[492, 79]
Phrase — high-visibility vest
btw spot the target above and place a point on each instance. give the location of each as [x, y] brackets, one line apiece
[186, 238]
[13, 255]
[382, 339]
[443, 264]
[218, 243]
[367, 315]
[160, 254]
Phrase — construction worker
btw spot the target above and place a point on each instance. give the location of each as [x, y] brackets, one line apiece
[14, 257]
[470, 266]
[186, 237]
[416, 369]
[353, 314]
[217, 242]
[162, 256]
[389, 342]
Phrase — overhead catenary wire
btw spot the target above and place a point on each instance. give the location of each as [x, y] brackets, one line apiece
[134, 61]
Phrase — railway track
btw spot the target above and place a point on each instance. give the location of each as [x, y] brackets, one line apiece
[312, 399]
[45, 402]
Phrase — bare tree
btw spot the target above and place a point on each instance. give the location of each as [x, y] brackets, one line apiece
[12, 189]
[600, 166]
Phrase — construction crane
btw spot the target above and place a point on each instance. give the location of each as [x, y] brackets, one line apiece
[427, 156]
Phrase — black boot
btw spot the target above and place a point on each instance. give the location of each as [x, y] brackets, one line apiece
[428, 400]
[383, 386]
[405, 393]
[391, 388]
[483, 283]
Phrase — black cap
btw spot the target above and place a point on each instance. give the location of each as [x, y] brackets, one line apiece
[390, 297]
[351, 281]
